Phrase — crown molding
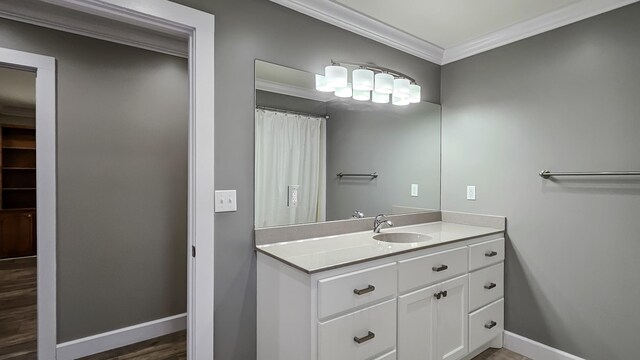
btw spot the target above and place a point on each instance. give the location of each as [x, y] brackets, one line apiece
[543, 23]
[58, 18]
[286, 89]
[345, 18]
[351, 20]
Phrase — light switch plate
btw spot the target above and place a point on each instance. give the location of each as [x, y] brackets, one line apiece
[471, 192]
[226, 201]
[414, 189]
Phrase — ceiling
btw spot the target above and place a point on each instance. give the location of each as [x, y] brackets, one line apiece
[17, 89]
[447, 23]
[444, 31]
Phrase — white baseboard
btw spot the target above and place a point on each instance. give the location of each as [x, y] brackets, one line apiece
[533, 349]
[122, 337]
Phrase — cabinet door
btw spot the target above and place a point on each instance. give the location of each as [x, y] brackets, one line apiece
[416, 324]
[16, 234]
[451, 319]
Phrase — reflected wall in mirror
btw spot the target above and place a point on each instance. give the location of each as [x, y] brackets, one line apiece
[305, 138]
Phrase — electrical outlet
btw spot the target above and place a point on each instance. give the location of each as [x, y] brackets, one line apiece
[471, 192]
[226, 201]
[414, 189]
[292, 195]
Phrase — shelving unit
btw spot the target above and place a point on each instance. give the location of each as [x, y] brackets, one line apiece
[17, 191]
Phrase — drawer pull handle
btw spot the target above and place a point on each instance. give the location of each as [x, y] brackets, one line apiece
[490, 324]
[369, 336]
[368, 289]
[444, 293]
[439, 268]
[490, 286]
[490, 253]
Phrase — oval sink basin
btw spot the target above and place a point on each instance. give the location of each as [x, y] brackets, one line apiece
[402, 237]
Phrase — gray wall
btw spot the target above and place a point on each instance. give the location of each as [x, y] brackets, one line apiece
[563, 100]
[401, 144]
[122, 167]
[259, 29]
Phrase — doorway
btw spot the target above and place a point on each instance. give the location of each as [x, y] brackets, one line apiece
[174, 19]
[18, 248]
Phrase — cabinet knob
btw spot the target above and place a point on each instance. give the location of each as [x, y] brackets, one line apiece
[440, 294]
[490, 286]
[490, 253]
[369, 336]
[368, 289]
[490, 324]
[439, 268]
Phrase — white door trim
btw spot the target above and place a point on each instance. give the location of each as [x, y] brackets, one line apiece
[45, 69]
[198, 27]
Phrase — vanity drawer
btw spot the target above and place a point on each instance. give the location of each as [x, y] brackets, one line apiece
[348, 291]
[359, 335]
[486, 286]
[429, 269]
[486, 253]
[485, 324]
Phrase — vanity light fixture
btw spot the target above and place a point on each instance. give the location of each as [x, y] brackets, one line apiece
[336, 76]
[369, 82]
[378, 98]
[344, 92]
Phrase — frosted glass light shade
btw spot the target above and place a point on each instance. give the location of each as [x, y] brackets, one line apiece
[376, 97]
[321, 84]
[384, 83]
[401, 88]
[399, 101]
[344, 92]
[336, 76]
[414, 93]
[362, 80]
[361, 95]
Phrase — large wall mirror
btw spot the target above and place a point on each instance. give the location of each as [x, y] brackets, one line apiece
[319, 157]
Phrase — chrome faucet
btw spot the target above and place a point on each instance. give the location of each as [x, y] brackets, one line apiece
[358, 214]
[379, 222]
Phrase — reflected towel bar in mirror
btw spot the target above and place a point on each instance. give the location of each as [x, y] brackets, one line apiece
[372, 175]
[547, 174]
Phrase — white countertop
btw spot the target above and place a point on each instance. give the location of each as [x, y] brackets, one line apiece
[329, 252]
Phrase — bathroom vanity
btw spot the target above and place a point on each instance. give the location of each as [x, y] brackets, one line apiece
[432, 291]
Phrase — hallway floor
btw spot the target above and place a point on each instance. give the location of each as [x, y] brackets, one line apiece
[18, 300]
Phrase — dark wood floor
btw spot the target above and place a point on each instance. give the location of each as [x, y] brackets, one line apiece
[172, 346]
[18, 301]
[18, 324]
[500, 354]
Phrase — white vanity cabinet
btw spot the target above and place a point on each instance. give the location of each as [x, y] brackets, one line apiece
[439, 303]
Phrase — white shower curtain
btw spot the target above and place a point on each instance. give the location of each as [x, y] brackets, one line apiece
[290, 150]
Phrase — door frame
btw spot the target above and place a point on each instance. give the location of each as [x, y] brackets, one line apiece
[197, 28]
[45, 69]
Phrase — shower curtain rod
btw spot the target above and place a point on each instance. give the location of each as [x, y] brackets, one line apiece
[290, 111]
